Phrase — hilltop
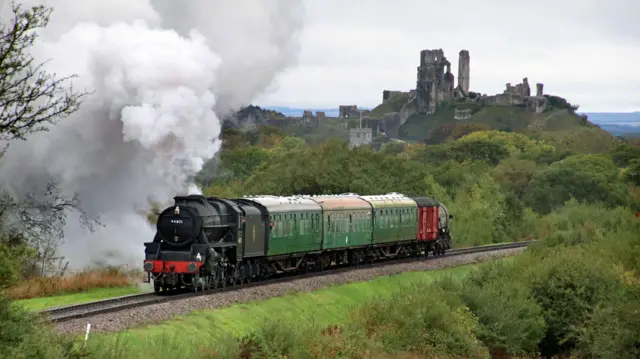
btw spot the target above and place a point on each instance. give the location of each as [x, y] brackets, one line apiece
[560, 123]
[436, 106]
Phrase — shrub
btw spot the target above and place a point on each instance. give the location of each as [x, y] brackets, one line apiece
[569, 284]
[511, 322]
[276, 340]
[24, 336]
[423, 321]
[577, 223]
[587, 178]
[614, 329]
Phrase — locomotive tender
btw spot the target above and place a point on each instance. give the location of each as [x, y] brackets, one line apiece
[204, 243]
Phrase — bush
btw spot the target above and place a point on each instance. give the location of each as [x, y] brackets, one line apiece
[424, 321]
[24, 336]
[276, 340]
[577, 223]
[613, 331]
[511, 322]
[587, 178]
[569, 283]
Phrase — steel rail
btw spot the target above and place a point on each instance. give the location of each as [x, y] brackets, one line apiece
[116, 304]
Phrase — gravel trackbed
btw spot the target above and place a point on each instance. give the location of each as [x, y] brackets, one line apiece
[112, 322]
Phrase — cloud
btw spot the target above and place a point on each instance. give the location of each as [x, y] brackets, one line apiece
[353, 50]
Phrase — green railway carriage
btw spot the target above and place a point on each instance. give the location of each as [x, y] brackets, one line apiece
[295, 224]
[347, 221]
[395, 218]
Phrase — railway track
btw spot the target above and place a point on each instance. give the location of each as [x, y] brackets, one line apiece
[66, 313]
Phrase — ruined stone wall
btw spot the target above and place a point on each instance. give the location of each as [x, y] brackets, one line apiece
[464, 71]
[435, 82]
[389, 124]
[351, 111]
[386, 94]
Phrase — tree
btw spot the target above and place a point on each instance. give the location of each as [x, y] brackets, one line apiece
[30, 97]
[587, 178]
[31, 100]
[632, 173]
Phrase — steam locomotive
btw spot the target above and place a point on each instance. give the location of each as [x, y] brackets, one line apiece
[203, 243]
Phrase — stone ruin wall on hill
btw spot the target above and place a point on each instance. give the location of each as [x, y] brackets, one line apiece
[435, 84]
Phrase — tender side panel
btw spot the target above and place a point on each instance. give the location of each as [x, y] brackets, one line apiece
[346, 222]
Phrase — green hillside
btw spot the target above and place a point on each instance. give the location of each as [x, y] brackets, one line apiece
[393, 104]
[561, 125]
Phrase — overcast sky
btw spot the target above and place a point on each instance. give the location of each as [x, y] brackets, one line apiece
[587, 51]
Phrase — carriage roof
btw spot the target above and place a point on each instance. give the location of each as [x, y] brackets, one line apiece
[341, 202]
[390, 200]
[278, 204]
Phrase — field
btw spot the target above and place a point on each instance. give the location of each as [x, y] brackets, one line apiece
[330, 306]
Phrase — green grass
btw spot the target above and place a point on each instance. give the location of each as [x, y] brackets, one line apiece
[393, 104]
[77, 298]
[180, 336]
[567, 128]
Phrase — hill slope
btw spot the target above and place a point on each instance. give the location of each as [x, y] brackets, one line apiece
[561, 125]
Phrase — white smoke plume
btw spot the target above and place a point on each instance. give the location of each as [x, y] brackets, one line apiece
[160, 72]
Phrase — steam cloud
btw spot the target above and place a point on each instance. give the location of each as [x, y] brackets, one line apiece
[160, 71]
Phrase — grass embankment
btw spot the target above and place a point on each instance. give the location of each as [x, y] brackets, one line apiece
[74, 288]
[77, 298]
[185, 336]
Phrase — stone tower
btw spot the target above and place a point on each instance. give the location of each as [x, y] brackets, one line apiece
[433, 84]
[463, 71]
[526, 89]
[539, 89]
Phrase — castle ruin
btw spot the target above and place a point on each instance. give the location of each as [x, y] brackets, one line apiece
[519, 95]
[435, 85]
[463, 73]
